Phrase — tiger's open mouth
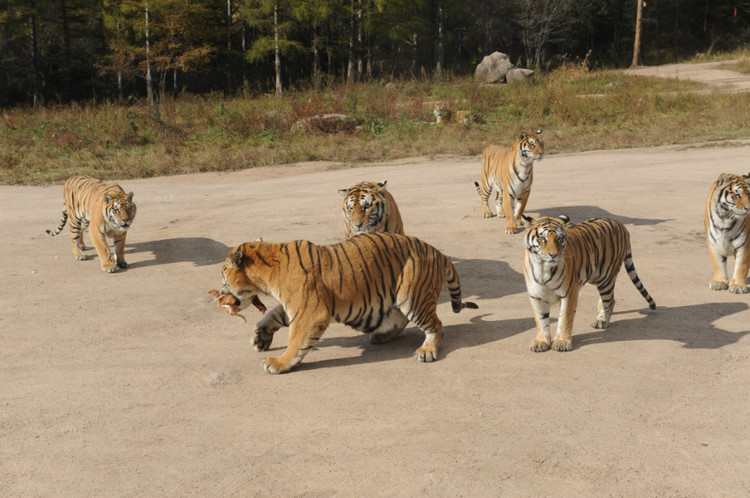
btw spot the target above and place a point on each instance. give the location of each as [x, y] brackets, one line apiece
[254, 301]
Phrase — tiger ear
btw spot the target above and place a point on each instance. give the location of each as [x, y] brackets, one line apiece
[539, 131]
[724, 178]
[523, 135]
[564, 218]
[107, 199]
[382, 184]
[130, 196]
[527, 218]
[343, 191]
[236, 256]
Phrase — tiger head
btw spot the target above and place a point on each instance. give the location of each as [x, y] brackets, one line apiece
[364, 207]
[733, 193]
[546, 237]
[531, 146]
[119, 211]
[237, 274]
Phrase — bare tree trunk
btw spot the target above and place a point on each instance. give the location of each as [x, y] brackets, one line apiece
[244, 60]
[359, 41]
[228, 69]
[277, 51]
[316, 59]
[149, 79]
[414, 54]
[350, 65]
[637, 44]
[35, 60]
[119, 71]
[66, 70]
[440, 50]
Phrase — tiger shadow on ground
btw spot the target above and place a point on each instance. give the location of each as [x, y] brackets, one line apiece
[578, 214]
[692, 325]
[455, 337]
[201, 251]
[484, 279]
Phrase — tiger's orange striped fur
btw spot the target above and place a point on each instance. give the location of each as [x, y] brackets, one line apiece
[560, 258]
[369, 207]
[374, 282]
[510, 171]
[727, 224]
[106, 210]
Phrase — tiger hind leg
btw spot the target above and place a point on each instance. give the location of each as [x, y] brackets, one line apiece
[484, 191]
[392, 325]
[428, 321]
[76, 234]
[604, 316]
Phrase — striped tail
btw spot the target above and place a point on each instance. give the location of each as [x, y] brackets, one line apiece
[63, 220]
[637, 281]
[454, 288]
[479, 188]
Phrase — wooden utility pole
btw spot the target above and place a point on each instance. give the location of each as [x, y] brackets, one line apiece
[637, 44]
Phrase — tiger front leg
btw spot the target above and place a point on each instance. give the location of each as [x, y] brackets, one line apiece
[120, 250]
[508, 208]
[267, 327]
[520, 207]
[107, 260]
[543, 340]
[563, 340]
[738, 285]
[719, 264]
[304, 334]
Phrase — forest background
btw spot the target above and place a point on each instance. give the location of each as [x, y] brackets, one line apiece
[127, 89]
[59, 51]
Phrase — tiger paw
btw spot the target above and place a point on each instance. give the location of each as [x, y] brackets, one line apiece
[274, 366]
[488, 215]
[538, 346]
[81, 257]
[122, 264]
[511, 229]
[261, 339]
[562, 345]
[738, 289]
[600, 324]
[109, 267]
[717, 285]
[426, 354]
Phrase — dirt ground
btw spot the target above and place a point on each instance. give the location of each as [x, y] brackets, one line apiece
[136, 384]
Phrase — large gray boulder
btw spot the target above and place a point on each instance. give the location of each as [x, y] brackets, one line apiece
[519, 75]
[493, 68]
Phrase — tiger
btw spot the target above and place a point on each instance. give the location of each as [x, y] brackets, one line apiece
[369, 207]
[727, 224]
[510, 169]
[442, 113]
[103, 206]
[375, 283]
[559, 258]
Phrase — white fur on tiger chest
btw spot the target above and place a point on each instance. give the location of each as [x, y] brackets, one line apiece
[724, 243]
[542, 280]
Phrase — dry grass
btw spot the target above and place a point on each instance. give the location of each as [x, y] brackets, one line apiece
[578, 109]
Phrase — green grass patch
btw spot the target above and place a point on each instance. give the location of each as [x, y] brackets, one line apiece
[577, 109]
